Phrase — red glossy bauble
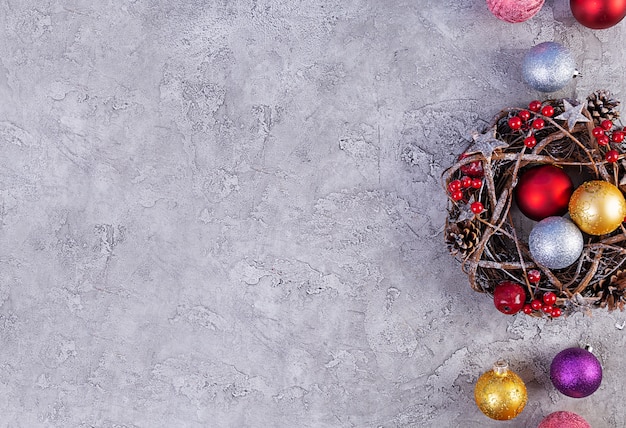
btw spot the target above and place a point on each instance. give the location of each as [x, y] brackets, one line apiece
[543, 191]
[509, 297]
[598, 14]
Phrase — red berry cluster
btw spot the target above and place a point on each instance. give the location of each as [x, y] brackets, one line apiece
[545, 305]
[470, 181]
[510, 297]
[605, 135]
[522, 122]
[547, 301]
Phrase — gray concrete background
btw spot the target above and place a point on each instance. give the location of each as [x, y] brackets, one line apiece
[228, 213]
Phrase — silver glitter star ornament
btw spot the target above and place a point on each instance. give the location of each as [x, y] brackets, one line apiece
[486, 143]
[573, 114]
[465, 210]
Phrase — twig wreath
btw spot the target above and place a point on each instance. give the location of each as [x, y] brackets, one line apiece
[481, 231]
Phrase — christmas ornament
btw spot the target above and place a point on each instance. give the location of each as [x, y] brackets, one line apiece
[597, 207]
[598, 14]
[548, 67]
[576, 372]
[509, 297]
[514, 11]
[500, 393]
[564, 420]
[555, 242]
[572, 114]
[543, 191]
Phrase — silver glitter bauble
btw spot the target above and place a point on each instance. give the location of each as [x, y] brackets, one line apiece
[548, 67]
[555, 242]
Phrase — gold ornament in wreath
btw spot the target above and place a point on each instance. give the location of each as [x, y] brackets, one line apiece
[536, 210]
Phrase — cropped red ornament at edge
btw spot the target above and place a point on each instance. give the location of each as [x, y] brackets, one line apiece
[514, 11]
[543, 191]
[598, 14]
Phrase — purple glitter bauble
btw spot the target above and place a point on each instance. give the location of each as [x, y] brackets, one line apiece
[576, 372]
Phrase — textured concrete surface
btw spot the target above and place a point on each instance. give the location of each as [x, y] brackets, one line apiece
[228, 213]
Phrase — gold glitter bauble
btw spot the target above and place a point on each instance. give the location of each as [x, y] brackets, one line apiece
[500, 393]
[597, 207]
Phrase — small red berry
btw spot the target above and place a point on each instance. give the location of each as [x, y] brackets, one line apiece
[527, 309]
[457, 196]
[539, 123]
[524, 115]
[466, 182]
[617, 137]
[547, 110]
[536, 304]
[606, 125]
[477, 183]
[477, 207]
[549, 298]
[534, 276]
[597, 131]
[473, 169]
[509, 297]
[547, 309]
[603, 140]
[454, 185]
[534, 105]
[612, 156]
[530, 141]
[515, 123]
[556, 312]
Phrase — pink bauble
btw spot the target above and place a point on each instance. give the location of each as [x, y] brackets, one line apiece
[514, 10]
[563, 420]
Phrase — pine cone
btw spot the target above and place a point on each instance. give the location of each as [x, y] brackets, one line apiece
[601, 105]
[613, 290]
[462, 238]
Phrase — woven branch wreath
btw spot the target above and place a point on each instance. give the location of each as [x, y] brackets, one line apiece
[480, 228]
